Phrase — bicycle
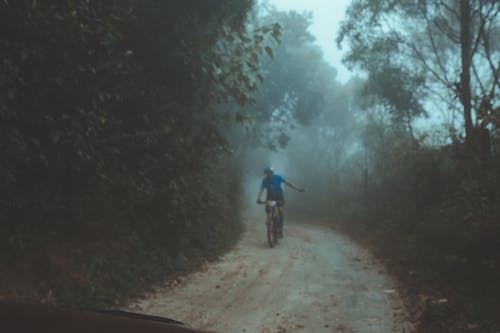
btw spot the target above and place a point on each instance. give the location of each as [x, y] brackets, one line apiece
[272, 222]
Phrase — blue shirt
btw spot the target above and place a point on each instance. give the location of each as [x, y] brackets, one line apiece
[273, 186]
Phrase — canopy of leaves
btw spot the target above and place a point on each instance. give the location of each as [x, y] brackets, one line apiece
[112, 90]
[422, 41]
[295, 80]
[108, 127]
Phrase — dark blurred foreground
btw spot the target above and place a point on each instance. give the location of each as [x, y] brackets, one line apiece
[25, 318]
[114, 174]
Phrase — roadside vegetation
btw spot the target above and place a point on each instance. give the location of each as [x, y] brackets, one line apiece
[115, 170]
[408, 157]
[128, 129]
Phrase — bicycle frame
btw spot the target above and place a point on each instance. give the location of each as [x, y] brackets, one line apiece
[272, 222]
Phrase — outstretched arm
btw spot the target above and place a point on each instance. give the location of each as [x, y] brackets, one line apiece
[295, 187]
[259, 196]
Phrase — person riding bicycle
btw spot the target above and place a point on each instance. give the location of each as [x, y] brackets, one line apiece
[272, 185]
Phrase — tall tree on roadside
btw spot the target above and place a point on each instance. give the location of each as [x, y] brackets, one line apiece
[450, 46]
[295, 80]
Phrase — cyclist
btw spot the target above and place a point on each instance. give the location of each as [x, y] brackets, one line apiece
[272, 185]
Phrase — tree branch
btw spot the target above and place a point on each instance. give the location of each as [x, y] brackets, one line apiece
[495, 70]
[476, 75]
[434, 49]
[450, 9]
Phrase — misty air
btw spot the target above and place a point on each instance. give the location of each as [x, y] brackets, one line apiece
[267, 166]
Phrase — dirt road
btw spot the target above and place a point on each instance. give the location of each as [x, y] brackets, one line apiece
[315, 281]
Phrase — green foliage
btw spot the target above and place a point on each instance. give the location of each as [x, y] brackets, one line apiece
[295, 79]
[109, 133]
[424, 44]
[397, 90]
[430, 212]
[237, 69]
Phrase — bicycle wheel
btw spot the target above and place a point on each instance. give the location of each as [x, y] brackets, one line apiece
[275, 227]
[270, 226]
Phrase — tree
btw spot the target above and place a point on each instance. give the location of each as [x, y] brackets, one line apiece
[294, 81]
[443, 44]
[115, 92]
[109, 130]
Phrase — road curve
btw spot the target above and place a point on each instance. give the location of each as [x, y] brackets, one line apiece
[315, 281]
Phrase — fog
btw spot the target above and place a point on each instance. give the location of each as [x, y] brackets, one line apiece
[327, 17]
[400, 151]
[389, 97]
[134, 138]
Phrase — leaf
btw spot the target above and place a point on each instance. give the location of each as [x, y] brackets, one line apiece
[277, 28]
[11, 94]
[239, 118]
[254, 57]
[277, 32]
[269, 51]
[55, 136]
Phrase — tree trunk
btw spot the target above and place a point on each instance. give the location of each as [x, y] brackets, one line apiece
[466, 44]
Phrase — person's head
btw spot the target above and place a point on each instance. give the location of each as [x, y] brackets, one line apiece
[269, 172]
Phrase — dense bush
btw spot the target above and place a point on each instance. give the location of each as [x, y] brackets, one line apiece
[430, 212]
[434, 219]
[114, 168]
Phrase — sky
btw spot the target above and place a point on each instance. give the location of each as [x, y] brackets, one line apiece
[327, 17]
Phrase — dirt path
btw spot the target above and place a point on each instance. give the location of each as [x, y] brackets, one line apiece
[315, 281]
